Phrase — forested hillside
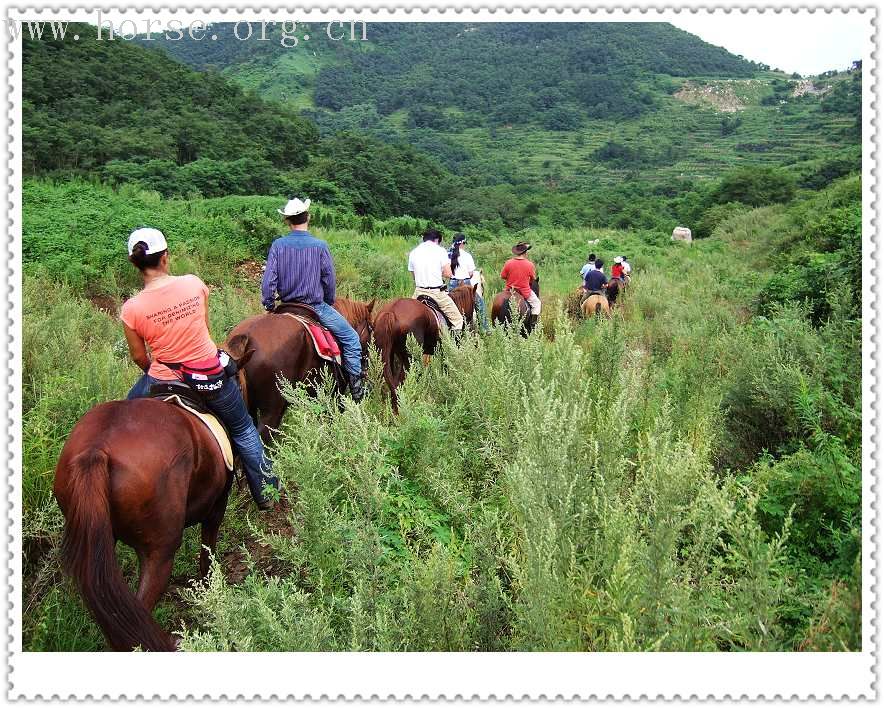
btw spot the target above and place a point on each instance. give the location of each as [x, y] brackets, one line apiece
[127, 114]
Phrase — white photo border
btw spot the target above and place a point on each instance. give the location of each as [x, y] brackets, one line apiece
[313, 676]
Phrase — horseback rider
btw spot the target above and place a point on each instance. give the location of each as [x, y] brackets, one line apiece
[595, 280]
[463, 267]
[518, 272]
[429, 264]
[617, 269]
[301, 270]
[588, 266]
[627, 268]
[171, 316]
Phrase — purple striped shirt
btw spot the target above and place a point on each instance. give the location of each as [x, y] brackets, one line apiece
[300, 269]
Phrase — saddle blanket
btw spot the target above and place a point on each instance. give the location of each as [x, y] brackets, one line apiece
[211, 422]
[441, 319]
[324, 343]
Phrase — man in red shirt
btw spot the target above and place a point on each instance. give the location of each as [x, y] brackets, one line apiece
[518, 272]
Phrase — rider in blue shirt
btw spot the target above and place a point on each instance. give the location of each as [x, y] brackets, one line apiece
[595, 280]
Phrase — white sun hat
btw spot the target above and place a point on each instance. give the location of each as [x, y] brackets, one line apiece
[295, 206]
[618, 259]
[156, 242]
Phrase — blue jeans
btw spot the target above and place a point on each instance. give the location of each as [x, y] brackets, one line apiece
[229, 406]
[480, 302]
[351, 347]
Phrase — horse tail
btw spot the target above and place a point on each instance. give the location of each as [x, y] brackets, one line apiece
[505, 314]
[598, 308]
[87, 554]
[386, 338]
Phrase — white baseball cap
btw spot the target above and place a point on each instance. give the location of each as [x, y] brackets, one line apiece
[295, 206]
[156, 242]
[618, 259]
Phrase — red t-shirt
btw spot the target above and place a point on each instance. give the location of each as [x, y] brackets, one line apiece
[617, 270]
[518, 273]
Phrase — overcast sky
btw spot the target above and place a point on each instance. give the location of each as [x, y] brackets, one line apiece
[808, 43]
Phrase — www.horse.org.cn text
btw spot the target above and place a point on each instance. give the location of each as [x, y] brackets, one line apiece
[287, 34]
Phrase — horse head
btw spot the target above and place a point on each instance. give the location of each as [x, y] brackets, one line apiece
[240, 349]
[358, 314]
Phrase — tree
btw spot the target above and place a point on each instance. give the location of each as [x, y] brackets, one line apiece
[755, 186]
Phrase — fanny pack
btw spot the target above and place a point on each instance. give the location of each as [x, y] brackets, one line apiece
[207, 376]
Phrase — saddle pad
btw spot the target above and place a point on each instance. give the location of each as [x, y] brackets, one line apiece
[441, 319]
[324, 343]
[212, 423]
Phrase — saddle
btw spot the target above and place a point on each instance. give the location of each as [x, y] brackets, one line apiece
[441, 318]
[183, 396]
[324, 342]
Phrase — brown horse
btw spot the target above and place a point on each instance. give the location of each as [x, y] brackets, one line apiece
[139, 472]
[615, 287]
[464, 296]
[392, 325]
[596, 305]
[501, 308]
[282, 347]
[403, 316]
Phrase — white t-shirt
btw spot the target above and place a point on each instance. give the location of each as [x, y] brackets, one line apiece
[465, 266]
[627, 268]
[586, 268]
[426, 262]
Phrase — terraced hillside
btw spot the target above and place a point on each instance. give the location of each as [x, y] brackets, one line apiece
[687, 111]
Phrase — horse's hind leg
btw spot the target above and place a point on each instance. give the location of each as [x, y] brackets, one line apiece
[209, 534]
[269, 421]
[156, 571]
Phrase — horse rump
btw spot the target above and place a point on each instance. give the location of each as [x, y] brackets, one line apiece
[82, 488]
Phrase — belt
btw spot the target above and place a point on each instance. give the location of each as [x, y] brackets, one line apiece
[432, 287]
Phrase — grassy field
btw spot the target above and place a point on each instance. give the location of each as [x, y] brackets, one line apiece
[675, 511]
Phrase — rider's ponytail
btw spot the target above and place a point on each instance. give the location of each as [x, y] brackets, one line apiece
[455, 255]
[141, 259]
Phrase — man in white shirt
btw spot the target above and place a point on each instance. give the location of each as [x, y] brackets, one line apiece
[429, 265]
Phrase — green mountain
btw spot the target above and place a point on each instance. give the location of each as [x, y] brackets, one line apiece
[561, 105]
[130, 114]
[495, 126]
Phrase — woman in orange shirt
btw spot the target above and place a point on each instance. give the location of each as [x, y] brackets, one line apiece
[171, 317]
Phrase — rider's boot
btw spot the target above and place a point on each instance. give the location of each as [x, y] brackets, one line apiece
[357, 387]
[257, 485]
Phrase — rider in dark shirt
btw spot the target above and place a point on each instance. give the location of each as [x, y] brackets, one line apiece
[595, 280]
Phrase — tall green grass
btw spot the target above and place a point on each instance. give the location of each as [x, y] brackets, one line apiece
[683, 476]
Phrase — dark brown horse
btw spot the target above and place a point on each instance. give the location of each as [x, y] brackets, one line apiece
[615, 287]
[138, 472]
[501, 308]
[282, 347]
[392, 325]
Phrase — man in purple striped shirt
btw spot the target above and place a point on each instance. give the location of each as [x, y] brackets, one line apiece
[300, 269]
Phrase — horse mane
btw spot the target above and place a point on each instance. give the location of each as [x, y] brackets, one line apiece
[354, 311]
[461, 296]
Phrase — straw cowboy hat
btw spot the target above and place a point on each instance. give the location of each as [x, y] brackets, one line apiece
[294, 207]
[521, 247]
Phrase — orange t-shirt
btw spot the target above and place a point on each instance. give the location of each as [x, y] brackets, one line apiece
[518, 273]
[172, 320]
